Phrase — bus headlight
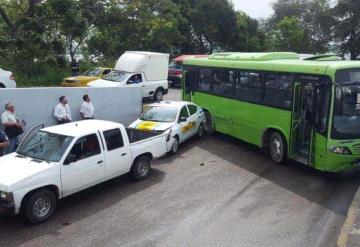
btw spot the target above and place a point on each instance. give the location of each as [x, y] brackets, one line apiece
[340, 150]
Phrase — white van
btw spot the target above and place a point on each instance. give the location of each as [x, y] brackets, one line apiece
[148, 70]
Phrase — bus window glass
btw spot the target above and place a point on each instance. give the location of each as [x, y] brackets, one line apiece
[204, 80]
[347, 112]
[223, 81]
[191, 83]
[248, 86]
[278, 90]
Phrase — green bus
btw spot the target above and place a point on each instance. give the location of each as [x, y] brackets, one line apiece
[304, 110]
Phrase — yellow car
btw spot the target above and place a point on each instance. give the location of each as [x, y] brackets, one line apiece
[88, 76]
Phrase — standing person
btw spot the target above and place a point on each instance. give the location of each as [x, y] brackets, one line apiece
[4, 142]
[75, 68]
[87, 109]
[62, 111]
[12, 127]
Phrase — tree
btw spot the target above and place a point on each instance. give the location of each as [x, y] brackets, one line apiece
[289, 36]
[314, 17]
[347, 27]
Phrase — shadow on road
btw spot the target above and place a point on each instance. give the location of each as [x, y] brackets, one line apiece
[14, 231]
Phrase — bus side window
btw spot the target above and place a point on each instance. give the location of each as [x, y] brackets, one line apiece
[191, 83]
[278, 90]
[205, 80]
[223, 80]
[248, 86]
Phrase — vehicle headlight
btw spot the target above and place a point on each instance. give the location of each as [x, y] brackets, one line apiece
[340, 150]
[7, 196]
[168, 134]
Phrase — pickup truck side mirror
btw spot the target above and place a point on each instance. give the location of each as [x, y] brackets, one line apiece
[182, 119]
[71, 158]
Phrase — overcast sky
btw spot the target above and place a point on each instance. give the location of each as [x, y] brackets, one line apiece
[255, 8]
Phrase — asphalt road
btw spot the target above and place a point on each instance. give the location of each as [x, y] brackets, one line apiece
[216, 191]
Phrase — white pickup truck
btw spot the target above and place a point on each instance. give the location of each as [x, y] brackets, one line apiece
[58, 161]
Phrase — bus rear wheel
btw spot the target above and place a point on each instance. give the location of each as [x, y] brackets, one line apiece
[277, 148]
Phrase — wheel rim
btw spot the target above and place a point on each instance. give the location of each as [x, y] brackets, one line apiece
[276, 148]
[175, 146]
[143, 168]
[159, 95]
[42, 207]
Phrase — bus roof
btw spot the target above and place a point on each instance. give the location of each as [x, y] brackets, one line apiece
[273, 62]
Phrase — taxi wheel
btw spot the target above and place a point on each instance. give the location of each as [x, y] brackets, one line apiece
[175, 146]
[201, 130]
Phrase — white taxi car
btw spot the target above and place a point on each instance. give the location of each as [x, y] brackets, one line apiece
[180, 120]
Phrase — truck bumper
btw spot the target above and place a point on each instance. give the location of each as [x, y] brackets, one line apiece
[7, 209]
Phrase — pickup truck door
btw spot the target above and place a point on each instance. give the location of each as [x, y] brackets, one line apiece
[84, 165]
[117, 152]
[138, 80]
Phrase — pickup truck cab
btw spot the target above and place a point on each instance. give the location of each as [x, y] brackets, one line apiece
[61, 160]
[147, 70]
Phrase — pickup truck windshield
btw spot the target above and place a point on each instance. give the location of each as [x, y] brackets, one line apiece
[160, 114]
[45, 146]
[117, 75]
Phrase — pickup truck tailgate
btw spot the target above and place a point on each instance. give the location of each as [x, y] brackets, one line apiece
[156, 145]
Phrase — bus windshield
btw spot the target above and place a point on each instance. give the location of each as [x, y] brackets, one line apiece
[347, 112]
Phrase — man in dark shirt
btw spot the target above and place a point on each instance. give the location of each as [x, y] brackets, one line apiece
[4, 141]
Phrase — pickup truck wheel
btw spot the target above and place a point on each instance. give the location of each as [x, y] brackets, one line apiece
[159, 94]
[141, 168]
[39, 206]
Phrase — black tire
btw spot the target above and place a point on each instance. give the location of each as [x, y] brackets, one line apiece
[2, 85]
[209, 124]
[175, 146]
[277, 148]
[141, 168]
[159, 94]
[39, 206]
[201, 130]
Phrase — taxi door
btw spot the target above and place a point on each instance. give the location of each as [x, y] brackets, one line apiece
[185, 124]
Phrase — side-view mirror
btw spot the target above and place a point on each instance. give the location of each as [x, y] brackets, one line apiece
[182, 119]
[71, 158]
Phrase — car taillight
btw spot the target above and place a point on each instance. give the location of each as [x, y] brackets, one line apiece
[12, 77]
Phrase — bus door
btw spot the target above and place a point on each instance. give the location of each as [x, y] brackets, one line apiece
[301, 128]
[189, 82]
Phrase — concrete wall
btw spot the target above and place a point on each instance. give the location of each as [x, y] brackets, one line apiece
[36, 105]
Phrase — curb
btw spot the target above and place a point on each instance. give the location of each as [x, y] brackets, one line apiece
[350, 232]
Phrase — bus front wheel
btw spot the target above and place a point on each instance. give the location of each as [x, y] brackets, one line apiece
[277, 148]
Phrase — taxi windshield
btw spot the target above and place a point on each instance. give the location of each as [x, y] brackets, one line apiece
[93, 72]
[45, 146]
[160, 114]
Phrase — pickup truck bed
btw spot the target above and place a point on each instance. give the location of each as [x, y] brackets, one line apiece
[139, 135]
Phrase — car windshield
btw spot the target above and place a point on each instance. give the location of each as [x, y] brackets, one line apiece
[347, 112]
[93, 72]
[117, 75]
[176, 65]
[160, 114]
[45, 146]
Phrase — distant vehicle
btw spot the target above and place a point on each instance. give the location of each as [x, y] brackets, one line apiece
[58, 161]
[7, 79]
[88, 76]
[148, 70]
[181, 119]
[176, 69]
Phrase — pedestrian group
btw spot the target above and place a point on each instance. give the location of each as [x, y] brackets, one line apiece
[13, 127]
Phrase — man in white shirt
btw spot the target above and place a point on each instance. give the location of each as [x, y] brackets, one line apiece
[87, 109]
[13, 128]
[62, 111]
